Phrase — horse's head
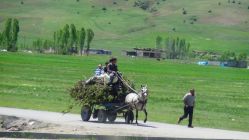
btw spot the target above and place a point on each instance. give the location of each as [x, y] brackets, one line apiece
[144, 91]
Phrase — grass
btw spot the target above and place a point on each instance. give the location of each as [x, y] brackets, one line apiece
[226, 28]
[36, 81]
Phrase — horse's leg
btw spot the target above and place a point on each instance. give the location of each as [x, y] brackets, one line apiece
[145, 112]
[136, 116]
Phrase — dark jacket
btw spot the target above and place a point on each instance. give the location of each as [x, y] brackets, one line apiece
[105, 69]
[112, 68]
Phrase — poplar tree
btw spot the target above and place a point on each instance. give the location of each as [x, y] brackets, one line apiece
[10, 34]
[65, 39]
[15, 31]
[7, 33]
[73, 37]
[159, 43]
[90, 35]
[82, 37]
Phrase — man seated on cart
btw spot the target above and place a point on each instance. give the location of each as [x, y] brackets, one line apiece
[112, 70]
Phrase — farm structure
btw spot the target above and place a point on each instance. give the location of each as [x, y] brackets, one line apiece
[98, 51]
[237, 64]
[140, 52]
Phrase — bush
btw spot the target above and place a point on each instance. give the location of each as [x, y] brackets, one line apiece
[184, 12]
[104, 9]
[209, 11]
[228, 56]
[193, 18]
[242, 57]
[143, 4]
[22, 2]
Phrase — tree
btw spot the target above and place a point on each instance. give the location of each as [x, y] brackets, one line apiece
[90, 35]
[176, 48]
[38, 45]
[10, 34]
[73, 37]
[7, 32]
[1, 39]
[82, 37]
[15, 31]
[159, 42]
[65, 39]
[228, 56]
[242, 57]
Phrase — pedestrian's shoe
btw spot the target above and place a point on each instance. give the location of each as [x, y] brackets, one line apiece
[191, 126]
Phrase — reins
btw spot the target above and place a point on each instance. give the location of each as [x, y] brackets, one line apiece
[124, 82]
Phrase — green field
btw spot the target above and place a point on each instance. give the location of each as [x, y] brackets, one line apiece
[37, 81]
[123, 26]
[41, 82]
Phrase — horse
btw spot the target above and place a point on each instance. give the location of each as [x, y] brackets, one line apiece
[138, 101]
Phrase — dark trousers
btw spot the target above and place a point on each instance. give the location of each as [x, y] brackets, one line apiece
[188, 112]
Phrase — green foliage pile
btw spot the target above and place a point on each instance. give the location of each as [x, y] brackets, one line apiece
[90, 94]
[96, 92]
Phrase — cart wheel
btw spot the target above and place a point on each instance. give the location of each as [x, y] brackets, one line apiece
[102, 116]
[86, 113]
[129, 117]
[112, 116]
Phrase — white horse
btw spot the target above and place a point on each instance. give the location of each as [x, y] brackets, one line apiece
[138, 101]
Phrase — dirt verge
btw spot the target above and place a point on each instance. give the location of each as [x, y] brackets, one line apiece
[12, 123]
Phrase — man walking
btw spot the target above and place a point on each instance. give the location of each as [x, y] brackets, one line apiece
[189, 102]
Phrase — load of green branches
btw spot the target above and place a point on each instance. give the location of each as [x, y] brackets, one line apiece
[96, 92]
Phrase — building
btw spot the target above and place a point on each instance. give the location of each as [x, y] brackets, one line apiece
[237, 64]
[98, 51]
[146, 52]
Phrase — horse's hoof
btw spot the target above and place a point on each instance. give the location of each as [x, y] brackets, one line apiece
[145, 121]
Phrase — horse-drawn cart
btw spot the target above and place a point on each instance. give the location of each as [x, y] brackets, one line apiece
[105, 102]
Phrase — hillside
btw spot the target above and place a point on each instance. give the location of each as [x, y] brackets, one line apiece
[119, 25]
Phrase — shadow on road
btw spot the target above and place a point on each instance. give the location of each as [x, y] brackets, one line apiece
[133, 124]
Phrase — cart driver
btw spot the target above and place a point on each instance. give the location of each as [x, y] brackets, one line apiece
[112, 69]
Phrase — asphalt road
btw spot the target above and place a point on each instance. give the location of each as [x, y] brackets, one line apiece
[119, 128]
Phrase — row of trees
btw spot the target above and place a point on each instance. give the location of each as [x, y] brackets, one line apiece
[173, 48]
[231, 56]
[67, 40]
[9, 36]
